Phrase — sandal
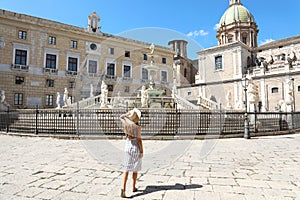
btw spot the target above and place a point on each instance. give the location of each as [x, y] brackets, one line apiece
[123, 193]
[134, 190]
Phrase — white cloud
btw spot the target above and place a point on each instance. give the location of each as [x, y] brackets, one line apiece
[266, 41]
[197, 33]
[216, 26]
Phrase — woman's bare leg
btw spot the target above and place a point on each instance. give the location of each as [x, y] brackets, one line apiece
[134, 177]
[125, 180]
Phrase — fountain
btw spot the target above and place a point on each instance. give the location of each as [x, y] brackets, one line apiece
[152, 68]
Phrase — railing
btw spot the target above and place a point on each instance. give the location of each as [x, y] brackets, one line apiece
[276, 67]
[19, 67]
[118, 101]
[185, 103]
[50, 70]
[207, 103]
[71, 73]
[86, 103]
[154, 122]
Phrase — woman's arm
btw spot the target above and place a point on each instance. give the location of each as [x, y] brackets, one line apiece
[123, 116]
[140, 143]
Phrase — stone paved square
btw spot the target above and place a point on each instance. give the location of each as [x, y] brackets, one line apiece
[48, 168]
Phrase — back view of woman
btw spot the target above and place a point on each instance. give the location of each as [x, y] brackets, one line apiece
[133, 147]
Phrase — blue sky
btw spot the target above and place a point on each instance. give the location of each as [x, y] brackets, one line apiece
[159, 21]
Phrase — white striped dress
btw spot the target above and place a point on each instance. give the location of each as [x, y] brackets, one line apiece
[133, 162]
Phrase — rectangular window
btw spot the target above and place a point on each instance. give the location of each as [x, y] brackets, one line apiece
[52, 40]
[145, 57]
[21, 57]
[72, 64]
[111, 51]
[49, 83]
[127, 54]
[19, 80]
[110, 69]
[229, 40]
[72, 84]
[49, 100]
[126, 71]
[18, 99]
[298, 88]
[274, 90]
[50, 61]
[22, 35]
[244, 40]
[164, 76]
[144, 74]
[74, 44]
[164, 60]
[92, 67]
[218, 63]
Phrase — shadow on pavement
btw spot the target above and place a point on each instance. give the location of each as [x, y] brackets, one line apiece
[156, 188]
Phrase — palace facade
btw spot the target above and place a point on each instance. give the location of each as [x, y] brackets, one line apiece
[40, 58]
[273, 69]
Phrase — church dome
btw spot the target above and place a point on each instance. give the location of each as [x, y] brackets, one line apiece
[236, 13]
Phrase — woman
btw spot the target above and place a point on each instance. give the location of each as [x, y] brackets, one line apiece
[133, 147]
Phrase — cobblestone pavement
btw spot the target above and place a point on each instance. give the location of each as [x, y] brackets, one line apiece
[48, 168]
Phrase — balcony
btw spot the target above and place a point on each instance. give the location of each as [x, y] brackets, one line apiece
[71, 73]
[94, 75]
[18, 67]
[127, 79]
[275, 68]
[110, 78]
[50, 71]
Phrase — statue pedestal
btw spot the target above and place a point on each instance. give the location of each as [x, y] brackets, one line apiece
[4, 106]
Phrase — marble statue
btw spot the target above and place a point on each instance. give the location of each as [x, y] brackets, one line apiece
[3, 104]
[104, 94]
[144, 97]
[289, 89]
[252, 92]
[2, 94]
[92, 90]
[57, 100]
[152, 47]
[228, 100]
[65, 98]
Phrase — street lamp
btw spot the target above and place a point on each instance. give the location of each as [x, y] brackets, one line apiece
[245, 83]
[293, 88]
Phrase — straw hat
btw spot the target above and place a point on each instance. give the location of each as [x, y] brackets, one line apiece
[134, 116]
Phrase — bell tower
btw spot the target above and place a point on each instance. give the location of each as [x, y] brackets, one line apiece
[94, 23]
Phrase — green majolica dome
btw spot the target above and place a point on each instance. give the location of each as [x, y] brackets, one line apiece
[236, 13]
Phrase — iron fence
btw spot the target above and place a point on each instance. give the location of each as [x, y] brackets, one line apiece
[154, 122]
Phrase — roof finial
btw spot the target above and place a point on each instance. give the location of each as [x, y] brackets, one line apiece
[233, 2]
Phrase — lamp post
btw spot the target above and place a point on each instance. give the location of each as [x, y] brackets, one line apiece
[245, 83]
[293, 88]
